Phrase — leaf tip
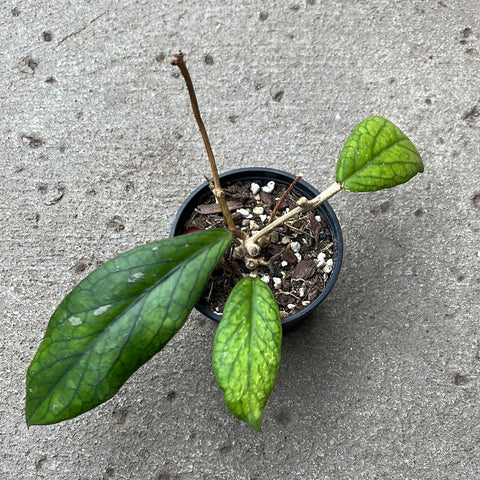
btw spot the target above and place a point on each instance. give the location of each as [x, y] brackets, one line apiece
[256, 425]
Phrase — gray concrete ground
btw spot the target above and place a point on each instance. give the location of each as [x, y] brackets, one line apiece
[100, 148]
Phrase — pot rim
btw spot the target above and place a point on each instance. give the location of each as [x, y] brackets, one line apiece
[302, 187]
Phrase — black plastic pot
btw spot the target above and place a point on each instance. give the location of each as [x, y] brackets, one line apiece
[263, 175]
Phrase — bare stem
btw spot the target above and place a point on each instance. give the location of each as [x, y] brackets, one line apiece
[303, 205]
[282, 198]
[177, 60]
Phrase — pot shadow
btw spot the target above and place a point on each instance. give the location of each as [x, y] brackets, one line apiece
[320, 362]
[311, 342]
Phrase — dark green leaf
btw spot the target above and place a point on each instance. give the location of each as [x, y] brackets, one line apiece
[377, 155]
[115, 320]
[246, 351]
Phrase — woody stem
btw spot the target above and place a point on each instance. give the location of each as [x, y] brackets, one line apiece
[177, 60]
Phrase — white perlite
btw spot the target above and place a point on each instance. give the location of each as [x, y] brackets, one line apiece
[243, 212]
[328, 265]
[321, 259]
[295, 246]
[254, 187]
[269, 187]
[253, 225]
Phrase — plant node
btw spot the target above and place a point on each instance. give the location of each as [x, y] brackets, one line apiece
[239, 252]
[251, 263]
[303, 202]
[252, 248]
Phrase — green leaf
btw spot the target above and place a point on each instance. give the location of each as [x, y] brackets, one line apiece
[377, 155]
[246, 349]
[115, 320]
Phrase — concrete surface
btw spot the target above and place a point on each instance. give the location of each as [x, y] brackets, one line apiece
[99, 148]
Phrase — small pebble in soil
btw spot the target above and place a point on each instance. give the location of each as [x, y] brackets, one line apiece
[254, 187]
[277, 282]
[265, 278]
[243, 212]
[269, 187]
[258, 210]
[289, 257]
[291, 306]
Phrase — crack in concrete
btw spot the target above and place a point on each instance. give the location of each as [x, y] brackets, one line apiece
[77, 32]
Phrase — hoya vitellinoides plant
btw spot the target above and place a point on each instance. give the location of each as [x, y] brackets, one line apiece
[127, 310]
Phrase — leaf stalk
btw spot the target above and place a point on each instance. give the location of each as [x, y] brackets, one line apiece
[303, 205]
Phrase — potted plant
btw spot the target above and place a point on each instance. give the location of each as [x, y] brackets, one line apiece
[125, 311]
[304, 256]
